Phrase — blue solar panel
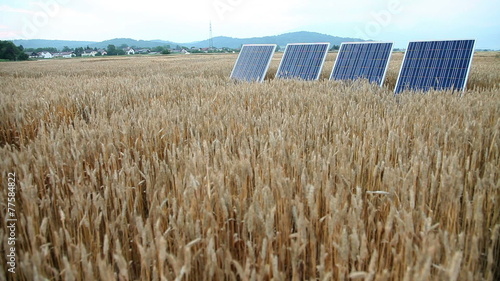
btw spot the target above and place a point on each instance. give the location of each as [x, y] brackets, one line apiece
[303, 61]
[366, 60]
[438, 65]
[253, 62]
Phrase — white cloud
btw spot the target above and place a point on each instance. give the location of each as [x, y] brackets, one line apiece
[9, 9]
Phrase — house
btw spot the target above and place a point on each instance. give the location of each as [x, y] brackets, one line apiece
[65, 55]
[32, 55]
[45, 55]
[129, 51]
[89, 53]
[185, 52]
[102, 51]
[142, 51]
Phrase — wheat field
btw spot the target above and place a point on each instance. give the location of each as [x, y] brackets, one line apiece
[161, 168]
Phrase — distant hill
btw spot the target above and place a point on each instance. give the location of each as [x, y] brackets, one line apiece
[281, 40]
[58, 44]
[131, 42]
[221, 41]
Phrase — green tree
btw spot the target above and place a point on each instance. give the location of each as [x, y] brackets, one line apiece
[9, 51]
[78, 51]
[66, 49]
[335, 48]
[158, 49]
[111, 50]
[22, 56]
[46, 49]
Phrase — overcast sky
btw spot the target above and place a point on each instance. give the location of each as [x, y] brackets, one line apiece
[188, 20]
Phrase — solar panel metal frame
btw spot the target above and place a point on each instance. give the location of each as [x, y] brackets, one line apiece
[386, 66]
[469, 63]
[268, 63]
[320, 67]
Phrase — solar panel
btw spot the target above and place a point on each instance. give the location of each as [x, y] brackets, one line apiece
[303, 61]
[253, 62]
[436, 65]
[362, 60]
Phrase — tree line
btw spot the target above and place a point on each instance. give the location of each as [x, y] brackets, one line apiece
[111, 50]
[9, 51]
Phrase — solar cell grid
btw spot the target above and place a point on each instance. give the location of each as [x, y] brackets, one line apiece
[253, 62]
[303, 61]
[436, 65]
[368, 60]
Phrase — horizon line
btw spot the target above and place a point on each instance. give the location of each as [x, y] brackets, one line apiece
[19, 39]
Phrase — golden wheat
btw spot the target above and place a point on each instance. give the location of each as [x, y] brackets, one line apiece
[161, 168]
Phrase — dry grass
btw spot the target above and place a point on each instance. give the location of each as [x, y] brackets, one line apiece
[160, 168]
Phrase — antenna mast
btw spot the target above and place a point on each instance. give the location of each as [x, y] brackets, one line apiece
[210, 39]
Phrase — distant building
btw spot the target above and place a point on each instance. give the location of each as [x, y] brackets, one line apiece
[102, 51]
[45, 55]
[142, 51]
[129, 51]
[65, 55]
[32, 55]
[89, 53]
